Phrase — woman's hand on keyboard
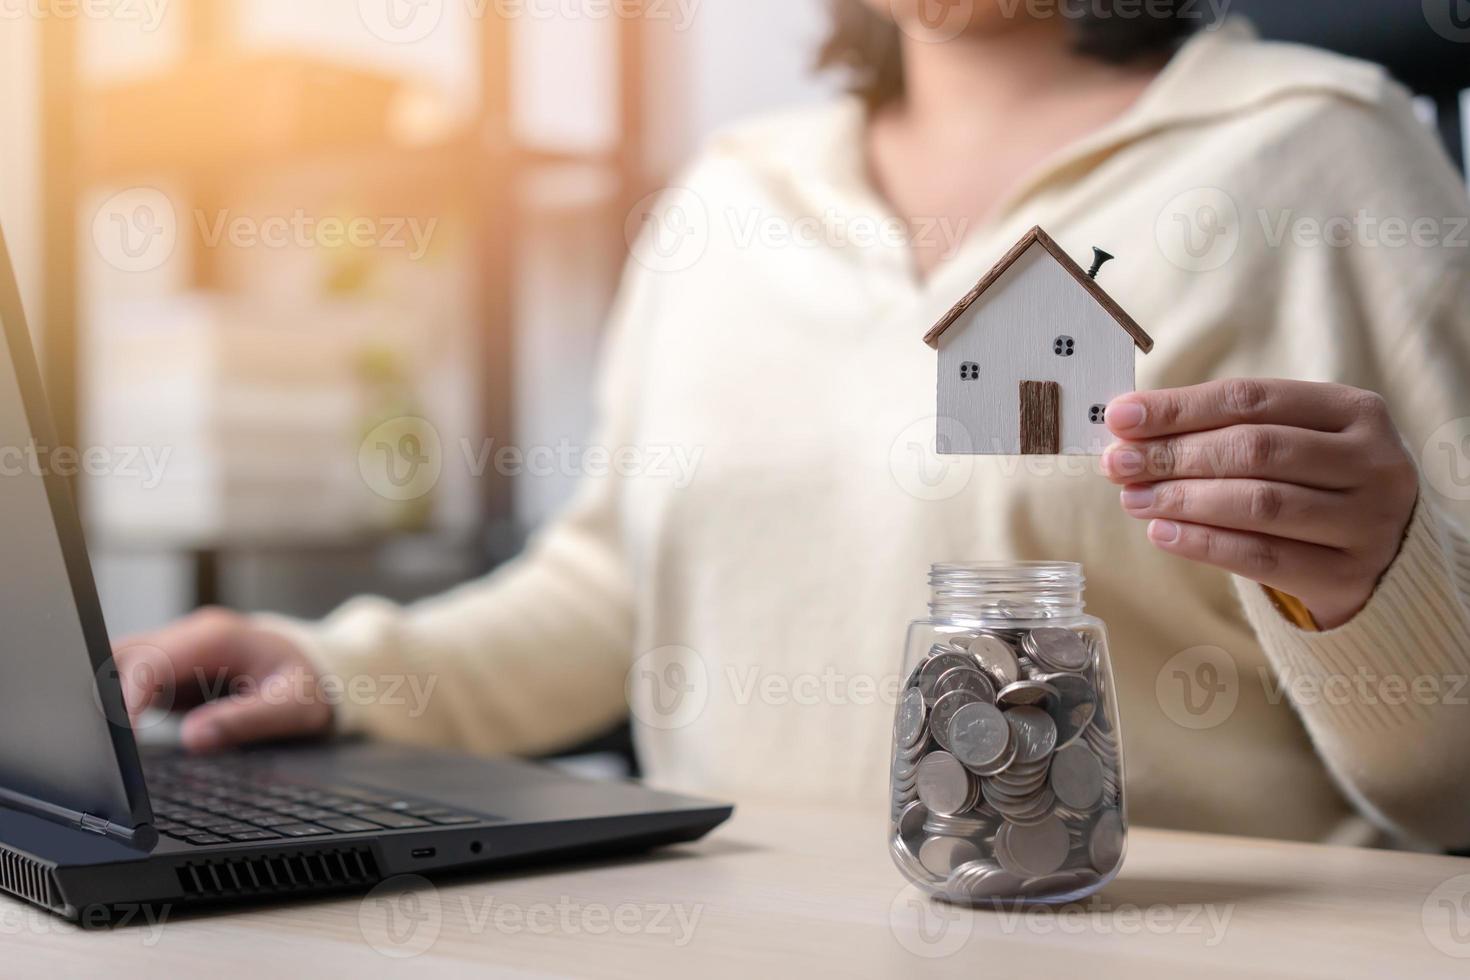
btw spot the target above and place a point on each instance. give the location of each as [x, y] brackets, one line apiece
[236, 682]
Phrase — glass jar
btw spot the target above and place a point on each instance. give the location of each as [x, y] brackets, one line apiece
[1007, 777]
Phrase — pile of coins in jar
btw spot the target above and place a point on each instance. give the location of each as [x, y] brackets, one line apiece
[1006, 774]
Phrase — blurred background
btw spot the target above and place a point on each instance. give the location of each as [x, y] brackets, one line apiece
[250, 231]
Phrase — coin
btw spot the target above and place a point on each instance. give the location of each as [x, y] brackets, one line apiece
[942, 855]
[980, 734]
[1105, 846]
[911, 822]
[1077, 777]
[944, 708]
[944, 785]
[1074, 708]
[1027, 693]
[911, 718]
[1034, 731]
[1038, 849]
[932, 669]
[1059, 649]
[996, 656]
[979, 880]
[969, 679]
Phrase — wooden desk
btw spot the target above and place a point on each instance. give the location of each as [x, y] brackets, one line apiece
[778, 893]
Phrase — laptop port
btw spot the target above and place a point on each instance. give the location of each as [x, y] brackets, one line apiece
[423, 852]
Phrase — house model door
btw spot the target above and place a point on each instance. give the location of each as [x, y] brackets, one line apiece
[1041, 418]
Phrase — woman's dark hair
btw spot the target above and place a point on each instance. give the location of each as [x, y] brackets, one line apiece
[866, 45]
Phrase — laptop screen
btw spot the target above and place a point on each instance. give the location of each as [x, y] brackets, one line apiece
[57, 745]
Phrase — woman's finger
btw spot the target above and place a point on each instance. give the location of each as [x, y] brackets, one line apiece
[1237, 401]
[1294, 567]
[1261, 452]
[1284, 510]
[284, 705]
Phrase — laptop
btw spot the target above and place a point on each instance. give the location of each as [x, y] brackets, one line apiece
[96, 831]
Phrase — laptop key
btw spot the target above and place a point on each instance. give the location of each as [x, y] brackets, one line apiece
[203, 839]
[347, 825]
[254, 835]
[451, 819]
[301, 830]
[393, 821]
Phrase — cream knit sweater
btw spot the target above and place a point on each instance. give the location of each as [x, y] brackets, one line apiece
[776, 340]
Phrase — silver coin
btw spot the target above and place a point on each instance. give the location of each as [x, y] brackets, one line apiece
[1039, 849]
[997, 657]
[945, 707]
[980, 880]
[944, 785]
[1034, 731]
[908, 863]
[963, 825]
[911, 822]
[1105, 844]
[1060, 649]
[1074, 708]
[1077, 777]
[1029, 693]
[980, 734]
[932, 669]
[941, 855]
[969, 678]
[999, 765]
[911, 717]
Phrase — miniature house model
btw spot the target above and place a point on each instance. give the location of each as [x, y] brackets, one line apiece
[1030, 358]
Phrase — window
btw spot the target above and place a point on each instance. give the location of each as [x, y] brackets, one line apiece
[969, 371]
[1097, 414]
[1064, 346]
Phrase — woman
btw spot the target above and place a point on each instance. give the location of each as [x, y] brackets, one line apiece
[1278, 526]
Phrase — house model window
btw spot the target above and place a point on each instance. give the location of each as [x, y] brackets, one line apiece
[1041, 396]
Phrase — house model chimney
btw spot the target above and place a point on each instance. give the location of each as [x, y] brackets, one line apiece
[1099, 257]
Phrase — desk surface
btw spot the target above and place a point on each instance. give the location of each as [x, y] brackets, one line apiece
[780, 892]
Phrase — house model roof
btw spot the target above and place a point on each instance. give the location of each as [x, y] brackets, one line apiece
[1038, 237]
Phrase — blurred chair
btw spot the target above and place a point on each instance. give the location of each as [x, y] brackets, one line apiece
[1426, 45]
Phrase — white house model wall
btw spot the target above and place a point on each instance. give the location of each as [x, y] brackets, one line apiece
[1035, 323]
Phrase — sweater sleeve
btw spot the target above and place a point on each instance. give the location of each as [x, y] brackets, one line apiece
[1386, 697]
[528, 659]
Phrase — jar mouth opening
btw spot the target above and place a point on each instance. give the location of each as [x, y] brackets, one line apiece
[995, 572]
[1007, 589]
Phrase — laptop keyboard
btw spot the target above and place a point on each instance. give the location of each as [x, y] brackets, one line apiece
[202, 803]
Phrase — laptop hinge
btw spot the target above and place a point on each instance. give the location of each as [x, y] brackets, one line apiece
[142, 837]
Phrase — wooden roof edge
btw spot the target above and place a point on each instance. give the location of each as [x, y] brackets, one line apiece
[1037, 236]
